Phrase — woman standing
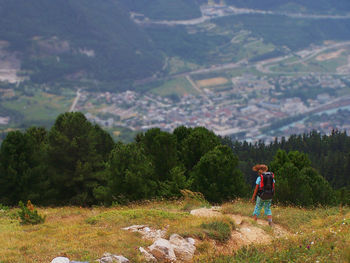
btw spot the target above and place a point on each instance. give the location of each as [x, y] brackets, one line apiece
[264, 191]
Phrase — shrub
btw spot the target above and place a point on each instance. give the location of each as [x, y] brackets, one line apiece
[28, 215]
[219, 229]
[193, 200]
[4, 207]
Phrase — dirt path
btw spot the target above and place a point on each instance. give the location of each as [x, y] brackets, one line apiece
[248, 231]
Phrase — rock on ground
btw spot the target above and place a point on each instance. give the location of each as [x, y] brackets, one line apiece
[60, 260]
[147, 232]
[184, 249]
[162, 250]
[110, 258]
[148, 256]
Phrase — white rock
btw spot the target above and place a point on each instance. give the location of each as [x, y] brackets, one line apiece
[162, 250]
[110, 258]
[146, 232]
[184, 250]
[134, 227]
[121, 259]
[60, 260]
[148, 256]
[191, 240]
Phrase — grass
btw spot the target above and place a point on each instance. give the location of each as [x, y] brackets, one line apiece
[84, 234]
[177, 86]
[177, 65]
[313, 65]
[219, 229]
[320, 234]
[41, 106]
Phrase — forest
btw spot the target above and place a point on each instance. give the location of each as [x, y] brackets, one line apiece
[78, 163]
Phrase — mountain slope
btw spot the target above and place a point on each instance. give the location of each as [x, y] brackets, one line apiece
[56, 39]
[165, 9]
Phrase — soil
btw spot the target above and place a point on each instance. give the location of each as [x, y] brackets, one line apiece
[247, 230]
[331, 55]
[212, 82]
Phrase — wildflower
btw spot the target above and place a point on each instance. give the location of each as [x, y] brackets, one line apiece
[312, 243]
[308, 247]
[30, 206]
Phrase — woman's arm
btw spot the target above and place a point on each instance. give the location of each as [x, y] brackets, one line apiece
[255, 192]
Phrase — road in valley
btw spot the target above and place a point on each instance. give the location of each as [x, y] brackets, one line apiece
[76, 99]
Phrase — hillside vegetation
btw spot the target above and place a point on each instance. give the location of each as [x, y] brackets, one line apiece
[76, 162]
[165, 10]
[319, 234]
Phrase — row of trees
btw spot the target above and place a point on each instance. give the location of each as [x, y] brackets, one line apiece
[329, 154]
[76, 162]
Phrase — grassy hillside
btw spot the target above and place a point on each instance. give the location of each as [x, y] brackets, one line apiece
[164, 9]
[294, 33]
[318, 234]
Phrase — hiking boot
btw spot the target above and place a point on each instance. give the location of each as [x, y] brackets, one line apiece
[270, 223]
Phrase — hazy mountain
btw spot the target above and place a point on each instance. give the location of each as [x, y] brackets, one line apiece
[78, 39]
[97, 40]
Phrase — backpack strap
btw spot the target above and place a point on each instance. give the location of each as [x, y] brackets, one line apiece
[261, 181]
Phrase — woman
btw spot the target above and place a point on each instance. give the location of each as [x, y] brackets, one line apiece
[260, 203]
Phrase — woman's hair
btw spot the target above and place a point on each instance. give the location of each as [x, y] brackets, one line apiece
[261, 168]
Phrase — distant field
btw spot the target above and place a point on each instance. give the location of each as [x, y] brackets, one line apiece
[325, 62]
[41, 106]
[178, 87]
[177, 65]
[212, 82]
[330, 55]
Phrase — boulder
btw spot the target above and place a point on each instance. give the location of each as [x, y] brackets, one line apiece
[162, 250]
[147, 232]
[110, 258]
[148, 256]
[60, 260]
[184, 248]
[191, 240]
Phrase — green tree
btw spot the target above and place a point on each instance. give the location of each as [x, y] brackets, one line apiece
[196, 144]
[22, 166]
[297, 183]
[77, 152]
[217, 176]
[130, 175]
[161, 147]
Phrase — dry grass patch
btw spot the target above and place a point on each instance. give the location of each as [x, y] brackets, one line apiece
[84, 234]
[330, 55]
[81, 233]
[212, 82]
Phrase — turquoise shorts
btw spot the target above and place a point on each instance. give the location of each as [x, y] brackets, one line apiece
[260, 204]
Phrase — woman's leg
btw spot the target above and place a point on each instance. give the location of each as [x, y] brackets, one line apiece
[258, 207]
[267, 210]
